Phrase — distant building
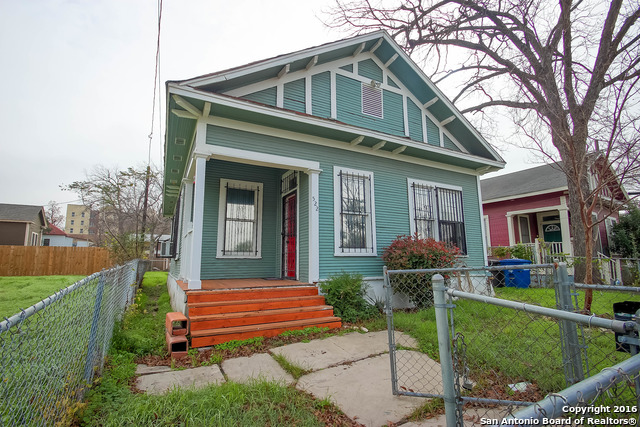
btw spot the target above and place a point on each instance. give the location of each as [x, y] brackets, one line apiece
[78, 220]
[21, 225]
[57, 237]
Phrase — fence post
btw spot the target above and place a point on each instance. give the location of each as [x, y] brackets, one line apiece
[571, 351]
[93, 335]
[444, 344]
[388, 291]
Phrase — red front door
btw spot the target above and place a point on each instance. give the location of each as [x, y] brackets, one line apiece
[289, 236]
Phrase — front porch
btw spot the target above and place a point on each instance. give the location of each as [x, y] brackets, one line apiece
[237, 309]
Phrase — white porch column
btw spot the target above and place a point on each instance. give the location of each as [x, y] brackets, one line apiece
[567, 247]
[482, 227]
[196, 236]
[314, 225]
[512, 233]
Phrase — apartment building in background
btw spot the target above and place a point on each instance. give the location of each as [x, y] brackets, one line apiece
[78, 220]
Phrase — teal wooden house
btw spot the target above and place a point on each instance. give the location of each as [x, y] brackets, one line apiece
[310, 163]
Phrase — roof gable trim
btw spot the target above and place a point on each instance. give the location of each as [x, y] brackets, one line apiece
[272, 111]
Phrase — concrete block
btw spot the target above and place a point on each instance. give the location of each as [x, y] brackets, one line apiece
[176, 323]
[178, 346]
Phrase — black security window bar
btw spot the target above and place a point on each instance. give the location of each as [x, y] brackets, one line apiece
[451, 218]
[355, 213]
[289, 182]
[240, 230]
[423, 210]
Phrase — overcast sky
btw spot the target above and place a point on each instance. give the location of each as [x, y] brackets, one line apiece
[78, 77]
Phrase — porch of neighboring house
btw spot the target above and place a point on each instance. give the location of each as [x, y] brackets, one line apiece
[545, 231]
[237, 309]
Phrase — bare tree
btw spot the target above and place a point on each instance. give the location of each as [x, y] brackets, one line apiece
[54, 215]
[116, 199]
[567, 68]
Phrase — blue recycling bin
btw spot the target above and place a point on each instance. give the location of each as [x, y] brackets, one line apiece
[516, 278]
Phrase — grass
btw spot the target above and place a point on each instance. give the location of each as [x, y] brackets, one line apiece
[20, 292]
[142, 329]
[295, 370]
[113, 401]
[504, 346]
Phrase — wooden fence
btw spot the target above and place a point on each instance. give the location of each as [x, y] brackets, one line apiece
[51, 260]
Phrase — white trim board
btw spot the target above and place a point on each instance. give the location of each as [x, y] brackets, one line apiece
[346, 128]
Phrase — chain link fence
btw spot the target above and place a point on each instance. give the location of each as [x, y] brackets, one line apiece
[50, 352]
[506, 353]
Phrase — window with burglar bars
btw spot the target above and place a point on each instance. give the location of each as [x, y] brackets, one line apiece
[437, 212]
[239, 219]
[354, 213]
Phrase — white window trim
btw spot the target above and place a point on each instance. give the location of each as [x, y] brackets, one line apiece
[520, 228]
[34, 239]
[436, 230]
[337, 222]
[222, 214]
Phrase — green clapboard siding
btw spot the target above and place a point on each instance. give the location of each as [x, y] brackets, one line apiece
[415, 121]
[390, 190]
[433, 132]
[392, 83]
[268, 265]
[294, 96]
[448, 143]
[369, 69]
[266, 96]
[348, 67]
[349, 106]
[321, 94]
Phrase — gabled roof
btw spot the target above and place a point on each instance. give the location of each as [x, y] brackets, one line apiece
[55, 231]
[21, 213]
[541, 179]
[224, 93]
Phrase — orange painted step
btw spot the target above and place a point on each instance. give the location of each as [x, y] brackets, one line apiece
[216, 336]
[256, 293]
[227, 320]
[205, 308]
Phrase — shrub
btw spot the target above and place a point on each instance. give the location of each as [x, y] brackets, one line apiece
[346, 293]
[522, 251]
[412, 252]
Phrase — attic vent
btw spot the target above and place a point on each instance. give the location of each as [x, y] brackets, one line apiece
[175, 171]
[180, 141]
[177, 158]
[372, 100]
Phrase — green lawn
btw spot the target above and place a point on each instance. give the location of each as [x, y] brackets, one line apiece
[20, 292]
[504, 346]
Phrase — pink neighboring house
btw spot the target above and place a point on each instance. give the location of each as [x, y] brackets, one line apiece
[532, 204]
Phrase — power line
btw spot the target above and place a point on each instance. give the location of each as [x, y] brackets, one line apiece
[153, 115]
[156, 78]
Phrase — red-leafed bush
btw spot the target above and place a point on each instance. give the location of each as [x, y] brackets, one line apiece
[410, 253]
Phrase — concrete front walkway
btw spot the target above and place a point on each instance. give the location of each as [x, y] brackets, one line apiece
[352, 370]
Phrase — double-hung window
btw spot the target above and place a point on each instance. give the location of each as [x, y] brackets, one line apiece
[436, 211]
[354, 217]
[240, 219]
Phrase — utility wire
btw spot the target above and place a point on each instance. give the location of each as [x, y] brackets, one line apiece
[156, 79]
[153, 115]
